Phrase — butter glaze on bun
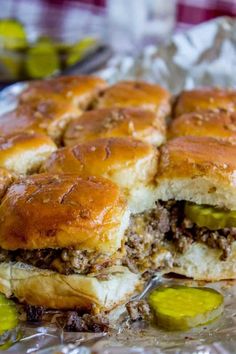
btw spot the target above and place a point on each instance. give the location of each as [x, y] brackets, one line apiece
[130, 163]
[24, 153]
[79, 91]
[218, 124]
[47, 106]
[210, 98]
[48, 117]
[57, 211]
[198, 169]
[116, 122]
[57, 291]
[136, 94]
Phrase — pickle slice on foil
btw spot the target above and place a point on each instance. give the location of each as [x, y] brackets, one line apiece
[12, 35]
[182, 307]
[210, 217]
[8, 314]
[42, 60]
[9, 332]
[78, 50]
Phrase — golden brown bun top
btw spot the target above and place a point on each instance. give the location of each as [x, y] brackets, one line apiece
[205, 98]
[136, 94]
[116, 122]
[50, 211]
[190, 157]
[76, 89]
[218, 124]
[34, 116]
[107, 157]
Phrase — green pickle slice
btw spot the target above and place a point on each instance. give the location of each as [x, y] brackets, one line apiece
[210, 217]
[42, 60]
[12, 35]
[79, 49]
[8, 323]
[182, 307]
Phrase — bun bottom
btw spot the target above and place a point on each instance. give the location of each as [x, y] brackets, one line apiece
[201, 262]
[49, 289]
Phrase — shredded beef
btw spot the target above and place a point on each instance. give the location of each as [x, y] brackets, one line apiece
[138, 310]
[144, 236]
[64, 261]
[73, 322]
[34, 313]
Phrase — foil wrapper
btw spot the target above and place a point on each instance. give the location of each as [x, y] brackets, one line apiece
[203, 56]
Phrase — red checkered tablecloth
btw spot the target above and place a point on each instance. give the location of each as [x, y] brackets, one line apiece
[192, 12]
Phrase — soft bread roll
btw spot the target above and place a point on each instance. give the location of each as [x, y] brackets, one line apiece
[116, 122]
[136, 94]
[79, 91]
[201, 262]
[218, 124]
[130, 163]
[205, 98]
[52, 211]
[198, 169]
[24, 153]
[48, 117]
[47, 106]
[53, 290]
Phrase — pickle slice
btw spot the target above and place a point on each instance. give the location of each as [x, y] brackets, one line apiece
[42, 60]
[10, 65]
[8, 314]
[78, 50]
[12, 35]
[210, 217]
[182, 307]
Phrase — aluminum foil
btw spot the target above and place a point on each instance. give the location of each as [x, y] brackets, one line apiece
[203, 56]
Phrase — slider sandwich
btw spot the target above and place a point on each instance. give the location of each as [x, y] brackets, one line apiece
[133, 165]
[208, 98]
[62, 243]
[195, 212]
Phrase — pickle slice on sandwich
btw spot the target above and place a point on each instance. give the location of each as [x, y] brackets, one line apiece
[182, 307]
[210, 217]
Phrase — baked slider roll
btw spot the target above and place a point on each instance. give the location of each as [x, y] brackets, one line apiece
[47, 106]
[193, 225]
[25, 152]
[48, 117]
[136, 94]
[205, 98]
[219, 124]
[79, 91]
[116, 122]
[61, 243]
[132, 164]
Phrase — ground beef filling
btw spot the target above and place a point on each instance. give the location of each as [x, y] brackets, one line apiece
[150, 231]
[145, 238]
[64, 261]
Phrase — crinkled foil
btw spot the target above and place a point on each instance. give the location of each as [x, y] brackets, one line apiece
[203, 56]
